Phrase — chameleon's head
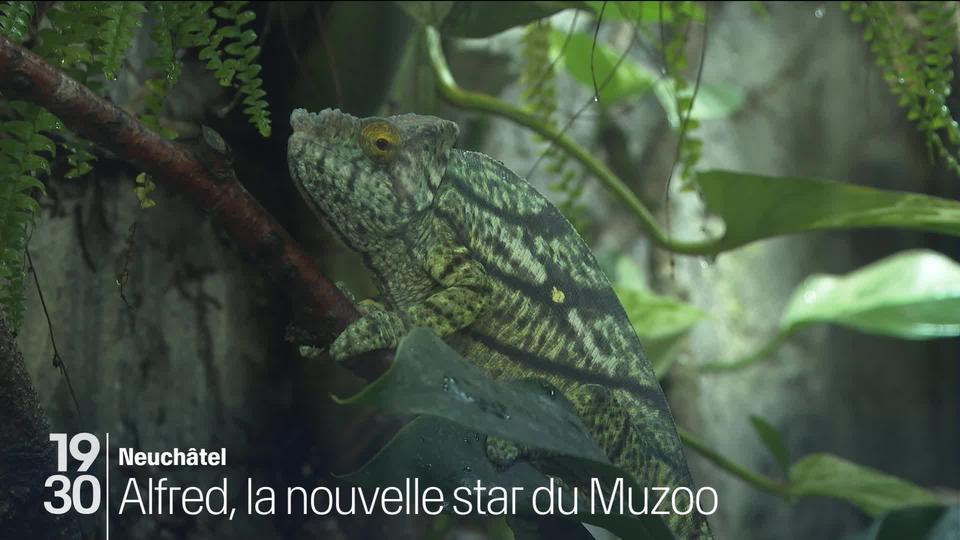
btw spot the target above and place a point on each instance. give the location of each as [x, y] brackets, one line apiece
[368, 178]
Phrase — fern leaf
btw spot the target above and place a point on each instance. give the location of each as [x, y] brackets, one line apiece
[24, 154]
[167, 16]
[122, 19]
[230, 55]
[912, 44]
[15, 20]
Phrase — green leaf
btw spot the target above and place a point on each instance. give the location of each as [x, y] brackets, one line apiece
[442, 454]
[33, 162]
[773, 441]
[429, 378]
[116, 33]
[29, 182]
[713, 101]
[630, 78]
[755, 207]
[872, 491]
[480, 19]
[655, 316]
[919, 523]
[913, 294]
[661, 322]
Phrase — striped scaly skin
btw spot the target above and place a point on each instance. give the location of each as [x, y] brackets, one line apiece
[460, 244]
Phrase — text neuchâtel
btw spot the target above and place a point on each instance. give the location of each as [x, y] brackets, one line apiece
[190, 457]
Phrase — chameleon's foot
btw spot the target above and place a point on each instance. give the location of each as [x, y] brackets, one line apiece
[366, 306]
[369, 306]
[376, 330]
[501, 452]
[309, 352]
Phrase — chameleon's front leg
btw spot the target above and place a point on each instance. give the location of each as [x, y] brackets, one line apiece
[464, 293]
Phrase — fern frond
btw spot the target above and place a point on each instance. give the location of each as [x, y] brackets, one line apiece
[912, 44]
[166, 18]
[196, 24]
[231, 53]
[80, 156]
[122, 19]
[71, 41]
[15, 19]
[24, 154]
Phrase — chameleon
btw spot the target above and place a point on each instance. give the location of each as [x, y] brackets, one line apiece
[458, 243]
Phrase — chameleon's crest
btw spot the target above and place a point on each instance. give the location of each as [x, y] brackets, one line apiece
[372, 175]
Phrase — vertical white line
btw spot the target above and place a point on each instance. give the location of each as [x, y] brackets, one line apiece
[106, 488]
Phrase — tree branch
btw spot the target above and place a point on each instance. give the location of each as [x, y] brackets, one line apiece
[203, 173]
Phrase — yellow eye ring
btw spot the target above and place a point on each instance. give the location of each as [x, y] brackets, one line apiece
[379, 140]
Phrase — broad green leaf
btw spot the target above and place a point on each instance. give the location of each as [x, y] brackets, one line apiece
[655, 316]
[480, 19]
[755, 207]
[661, 323]
[629, 79]
[434, 452]
[872, 491]
[429, 378]
[632, 79]
[773, 441]
[913, 294]
[917, 523]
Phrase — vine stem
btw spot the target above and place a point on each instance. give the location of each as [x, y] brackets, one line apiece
[754, 479]
[451, 91]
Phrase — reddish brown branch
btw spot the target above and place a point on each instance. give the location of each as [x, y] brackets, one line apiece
[203, 173]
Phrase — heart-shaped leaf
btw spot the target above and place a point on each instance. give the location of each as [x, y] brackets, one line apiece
[874, 492]
[755, 207]
[913, 294]
[588, 63]
[463, 403]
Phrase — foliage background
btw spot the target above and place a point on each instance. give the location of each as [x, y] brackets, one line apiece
[196, 354]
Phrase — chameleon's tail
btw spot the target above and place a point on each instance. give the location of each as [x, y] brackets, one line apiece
[640, 438]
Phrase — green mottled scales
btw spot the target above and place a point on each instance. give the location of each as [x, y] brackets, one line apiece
[461, 245]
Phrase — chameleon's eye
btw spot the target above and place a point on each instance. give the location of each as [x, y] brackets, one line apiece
[379, 140]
